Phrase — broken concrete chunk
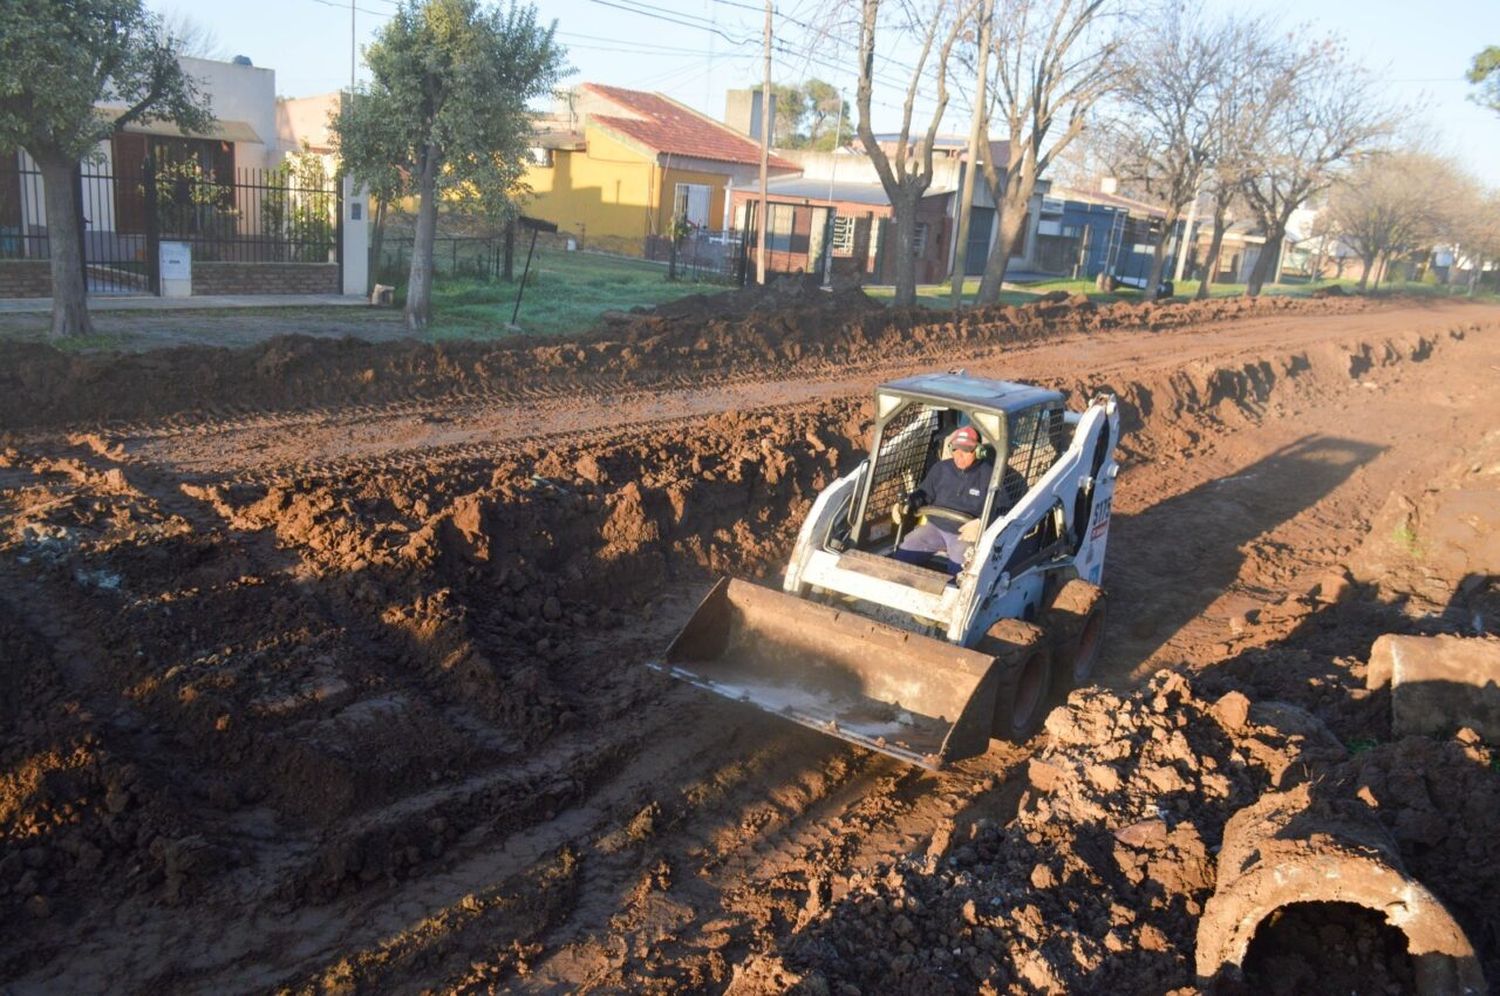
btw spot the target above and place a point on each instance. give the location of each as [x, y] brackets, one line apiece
[1439, 683]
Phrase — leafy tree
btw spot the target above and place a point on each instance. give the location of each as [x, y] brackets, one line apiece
[447, 106]
[60, 60]
[807, 115]
[790, 108]
[371, 150]
[1484, 73]
[829, 127]
[297, 208]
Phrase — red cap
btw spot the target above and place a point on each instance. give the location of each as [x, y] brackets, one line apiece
[964, 438]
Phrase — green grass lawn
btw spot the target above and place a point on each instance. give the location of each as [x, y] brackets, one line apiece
[564, 292]
[940, 295]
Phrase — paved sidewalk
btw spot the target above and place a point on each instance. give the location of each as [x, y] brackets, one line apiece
[203, 302]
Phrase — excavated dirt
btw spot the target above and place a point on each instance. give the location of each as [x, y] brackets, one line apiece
[729, 335]
[321, 664]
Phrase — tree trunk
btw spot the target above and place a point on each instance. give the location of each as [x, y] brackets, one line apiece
[377, 241]
[1474, 273]
[904, 208]
[1159, 253]
[1008, 236]
[1265, 262]
[1368, 259]
[1215, 246]
[419, 284]
[70, 310]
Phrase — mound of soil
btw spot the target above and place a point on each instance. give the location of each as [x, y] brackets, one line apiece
[399, 706]
[755, 332]
[1097, 882]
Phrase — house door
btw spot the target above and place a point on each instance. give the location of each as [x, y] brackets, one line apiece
[981, 221]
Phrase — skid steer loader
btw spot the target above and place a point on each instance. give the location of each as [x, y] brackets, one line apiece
[904, 658]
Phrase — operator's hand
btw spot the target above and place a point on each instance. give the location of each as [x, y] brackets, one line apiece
[969, 532]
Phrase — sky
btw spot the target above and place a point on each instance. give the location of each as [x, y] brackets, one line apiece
[694, 50]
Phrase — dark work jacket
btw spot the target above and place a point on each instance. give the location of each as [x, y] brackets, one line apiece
[960, 490]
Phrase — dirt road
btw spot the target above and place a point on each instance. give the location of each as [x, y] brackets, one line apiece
[339, 686]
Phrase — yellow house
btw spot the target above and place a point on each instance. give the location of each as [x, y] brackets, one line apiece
[627, 163]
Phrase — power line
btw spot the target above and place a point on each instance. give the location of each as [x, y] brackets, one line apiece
[345, 6]
[645, 47]
[642, 11]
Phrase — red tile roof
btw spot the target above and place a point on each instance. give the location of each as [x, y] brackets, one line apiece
[667, 126]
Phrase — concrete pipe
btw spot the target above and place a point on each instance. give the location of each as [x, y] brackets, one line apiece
[1289, 849]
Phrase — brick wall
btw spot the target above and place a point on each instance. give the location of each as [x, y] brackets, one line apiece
[25, 278]
[33, 278]
[265, 278]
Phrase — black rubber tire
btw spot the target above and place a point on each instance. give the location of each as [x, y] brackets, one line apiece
[1075, 622]
[1022, 697]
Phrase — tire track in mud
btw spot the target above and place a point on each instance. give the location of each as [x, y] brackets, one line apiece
[496, 426]
[747, 828]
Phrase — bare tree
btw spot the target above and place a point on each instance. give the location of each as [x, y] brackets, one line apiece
[1054, 59]
[1319, 111]
[1481, 233]
[191, 37]
[906, 169]
[1393, 203]
[1173, 111]
[1249, 85]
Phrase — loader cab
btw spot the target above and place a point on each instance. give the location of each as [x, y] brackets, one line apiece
[1021, 430]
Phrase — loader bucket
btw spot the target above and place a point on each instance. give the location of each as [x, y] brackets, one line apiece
[920, 699]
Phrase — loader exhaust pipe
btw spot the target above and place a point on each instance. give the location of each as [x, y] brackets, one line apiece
[920, 699]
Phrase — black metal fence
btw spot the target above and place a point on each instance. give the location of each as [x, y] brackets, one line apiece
[281, 214]
[700, 254]
[479, 257]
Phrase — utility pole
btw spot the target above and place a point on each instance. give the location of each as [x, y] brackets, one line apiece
[833, 168]
[977, 133]
[351, 51]
[1187, 233]
[765, 158]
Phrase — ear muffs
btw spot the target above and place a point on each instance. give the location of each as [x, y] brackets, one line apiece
[984, 452]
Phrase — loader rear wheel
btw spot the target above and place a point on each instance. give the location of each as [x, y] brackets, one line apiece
[1075, 621]
[1025, 666]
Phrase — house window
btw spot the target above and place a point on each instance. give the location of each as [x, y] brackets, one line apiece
[1051, 205]
[691, 203]
[919, 239]
[539, 156]
[843, 235]
[779, 234]
[10, 204]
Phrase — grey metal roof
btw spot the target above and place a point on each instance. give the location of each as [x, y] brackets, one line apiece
[803, 188]
[973, 392]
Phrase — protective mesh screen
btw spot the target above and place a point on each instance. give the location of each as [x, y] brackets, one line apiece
[904, 445]
[1034, 440]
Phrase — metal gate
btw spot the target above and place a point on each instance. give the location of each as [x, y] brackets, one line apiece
[126, 209]
[114, 226]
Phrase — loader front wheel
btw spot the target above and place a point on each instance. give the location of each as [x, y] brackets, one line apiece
[1025, 665]
[1075, 621]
